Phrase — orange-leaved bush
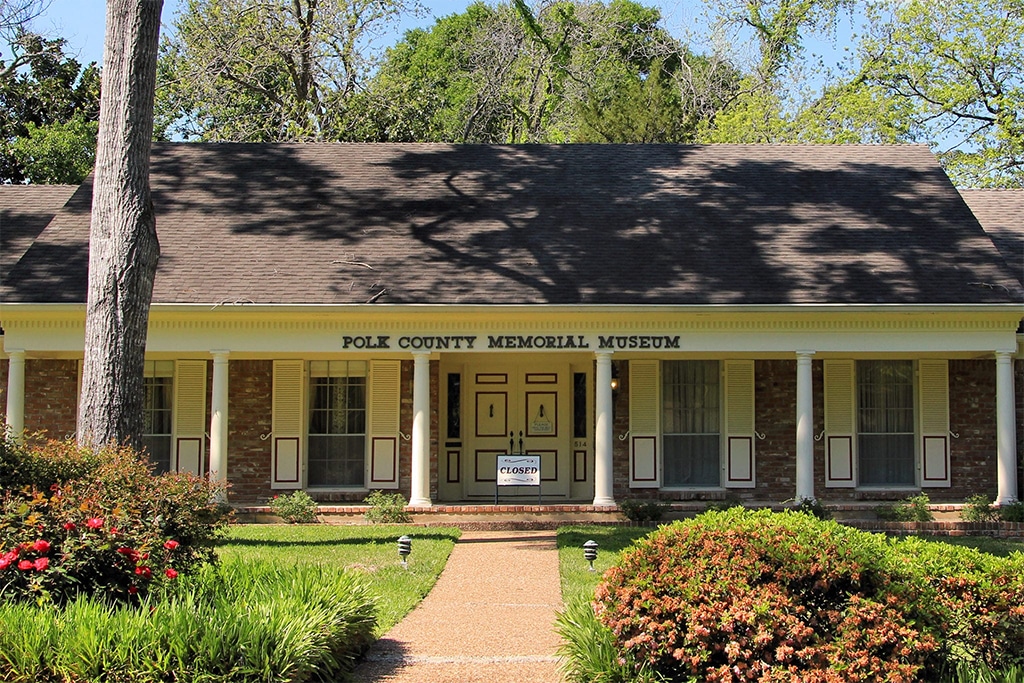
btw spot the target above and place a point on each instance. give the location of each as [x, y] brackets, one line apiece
[759, 596]
[113, 530]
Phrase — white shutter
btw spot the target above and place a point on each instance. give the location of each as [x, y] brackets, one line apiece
[739, 423]
[189, 416]
[384, 402]
[643, 424]
[840, 424]
[286, 421]
[933, 376]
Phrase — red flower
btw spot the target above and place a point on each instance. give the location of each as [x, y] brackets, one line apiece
[144, 572]
[171, 574]
[130, 553]
[94, 522]
[25, 565]
[171, 544]
[113, 530]
[4, 563]
[69, 526]
[41, 564]
[41, 546]
[132, 590]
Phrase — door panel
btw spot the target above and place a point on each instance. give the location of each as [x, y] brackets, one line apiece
[515, 408]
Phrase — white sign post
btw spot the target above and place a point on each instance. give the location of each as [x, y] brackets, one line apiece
[518, 470]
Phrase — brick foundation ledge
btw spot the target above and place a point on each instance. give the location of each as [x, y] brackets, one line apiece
[1012, 530]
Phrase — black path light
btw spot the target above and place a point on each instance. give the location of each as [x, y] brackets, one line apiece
[590, 552]
[404, 550]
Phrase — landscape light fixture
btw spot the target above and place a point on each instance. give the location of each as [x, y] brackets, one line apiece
[404, 550]
[590, 552]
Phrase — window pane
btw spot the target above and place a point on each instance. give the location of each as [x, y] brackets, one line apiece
[579, 405]
[336, 460]
[157, 420]
[337, 426]
[454, 430]
[885, 423]
[691, 413]
[692, 460]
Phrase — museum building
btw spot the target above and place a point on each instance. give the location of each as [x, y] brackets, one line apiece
[684, 322]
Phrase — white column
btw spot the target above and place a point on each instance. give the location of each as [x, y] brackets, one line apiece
[219, 418]
[420, 495]
[15, 392]
[804, 427]
[1006, 441]
[603, 439]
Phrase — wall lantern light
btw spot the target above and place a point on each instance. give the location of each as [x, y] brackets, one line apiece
[615, 377]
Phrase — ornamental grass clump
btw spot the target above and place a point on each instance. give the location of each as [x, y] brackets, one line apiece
[113, 529]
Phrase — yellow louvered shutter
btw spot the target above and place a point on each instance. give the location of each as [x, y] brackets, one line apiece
[286, 456]
[933, 378]
[189, 416]
[384, 402]
[739, 423]
[643, 424]
[840, 424]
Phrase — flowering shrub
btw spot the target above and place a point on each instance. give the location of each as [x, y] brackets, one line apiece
[115, 530]
[740, 595]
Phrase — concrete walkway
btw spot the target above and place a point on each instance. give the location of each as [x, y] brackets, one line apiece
[490, 617]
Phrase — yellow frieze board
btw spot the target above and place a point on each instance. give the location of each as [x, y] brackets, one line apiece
[270, 330]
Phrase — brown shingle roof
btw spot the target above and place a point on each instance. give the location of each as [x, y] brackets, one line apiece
[1001, 214]
[25, 210]
[560, 224]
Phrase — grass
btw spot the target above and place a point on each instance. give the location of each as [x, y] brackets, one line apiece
[577, 579]
[370, 550]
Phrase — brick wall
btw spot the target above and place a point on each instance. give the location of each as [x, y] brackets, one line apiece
[250, 389]
[51, 397]
[972, 416]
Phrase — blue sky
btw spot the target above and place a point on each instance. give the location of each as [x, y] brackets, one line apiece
[81, 22]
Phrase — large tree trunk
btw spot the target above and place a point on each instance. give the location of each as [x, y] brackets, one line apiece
[123, 247]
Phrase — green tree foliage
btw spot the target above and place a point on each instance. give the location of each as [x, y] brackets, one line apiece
[570, 71]
[775, 103]
[960, 67]
[49, 108]
[266, 71]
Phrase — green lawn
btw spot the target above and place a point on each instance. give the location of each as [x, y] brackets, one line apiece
[370, 550]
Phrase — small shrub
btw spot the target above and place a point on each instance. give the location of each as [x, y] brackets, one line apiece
[978, 508]
[814, 508]
[296, 508]
[642, 511]
[1012, 512]
[386, 508]
[913, 509]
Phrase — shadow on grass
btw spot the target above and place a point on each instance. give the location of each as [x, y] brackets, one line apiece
[323, 542]
[609, 539]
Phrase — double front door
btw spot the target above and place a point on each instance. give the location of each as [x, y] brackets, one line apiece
[518, 408]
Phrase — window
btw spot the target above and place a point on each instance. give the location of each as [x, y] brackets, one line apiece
[337, 423]
[579, 405]
[158, 385]
[691, 423]
[454, 405]
[885, 423]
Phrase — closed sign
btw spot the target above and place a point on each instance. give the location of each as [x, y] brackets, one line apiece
[518, 470]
